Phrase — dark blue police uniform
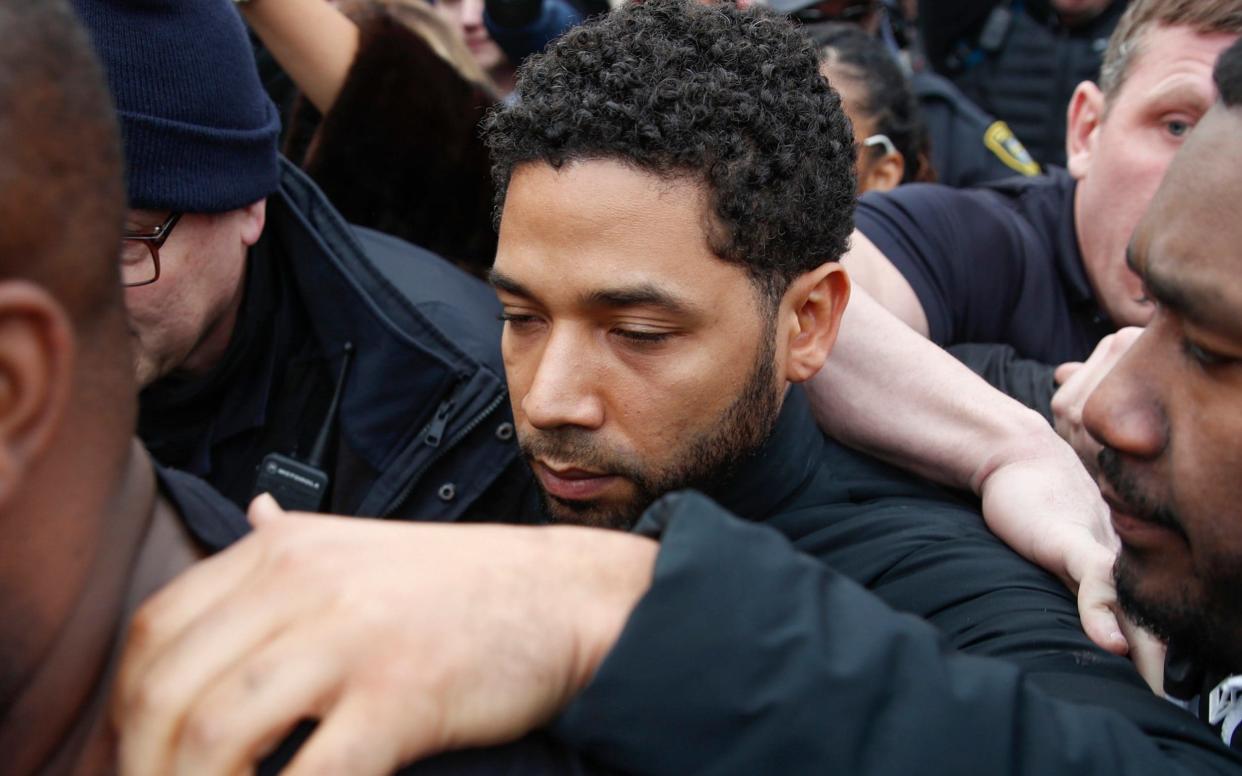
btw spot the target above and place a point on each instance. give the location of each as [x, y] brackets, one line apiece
[996, 264]
[968, 146]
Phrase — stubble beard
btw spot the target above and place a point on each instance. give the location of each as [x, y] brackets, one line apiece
[703, 463]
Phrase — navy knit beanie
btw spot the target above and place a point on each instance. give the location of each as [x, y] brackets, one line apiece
[200, 131]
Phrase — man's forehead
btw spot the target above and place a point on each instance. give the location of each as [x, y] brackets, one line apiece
[1175, 53]
[601, 225]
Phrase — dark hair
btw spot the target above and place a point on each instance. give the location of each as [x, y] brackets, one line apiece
[62, 197]
[1228, 75]
[889, 102]
[731, 98]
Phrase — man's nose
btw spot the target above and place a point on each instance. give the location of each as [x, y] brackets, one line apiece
[1126, 412]
[564, 391]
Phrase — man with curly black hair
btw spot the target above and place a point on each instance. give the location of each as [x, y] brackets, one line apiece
[741, 169]
[676, 185]
[748, 121]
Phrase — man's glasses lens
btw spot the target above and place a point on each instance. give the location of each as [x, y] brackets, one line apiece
[140, 252]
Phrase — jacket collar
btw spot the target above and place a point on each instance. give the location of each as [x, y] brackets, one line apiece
[406, 363]
[1064, 228]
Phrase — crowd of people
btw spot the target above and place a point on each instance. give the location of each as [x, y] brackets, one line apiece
[669, 388]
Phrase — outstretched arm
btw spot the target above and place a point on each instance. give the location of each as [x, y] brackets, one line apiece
[721, 650]
[313, 41]
[890, 392]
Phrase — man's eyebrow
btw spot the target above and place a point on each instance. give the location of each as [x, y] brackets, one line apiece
[641, 295]
[1188, 95]
[507, 284]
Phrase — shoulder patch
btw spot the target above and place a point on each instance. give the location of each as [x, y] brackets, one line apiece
[1000, 140]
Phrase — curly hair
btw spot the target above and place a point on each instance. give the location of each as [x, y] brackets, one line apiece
[730, 98]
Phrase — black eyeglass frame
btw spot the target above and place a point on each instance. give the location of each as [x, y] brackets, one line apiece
[154, 240]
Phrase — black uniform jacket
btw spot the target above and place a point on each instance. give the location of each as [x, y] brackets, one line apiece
[999, 263]
[758, 650]
[424, 428]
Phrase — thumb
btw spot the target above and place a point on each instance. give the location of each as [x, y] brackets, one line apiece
[264, 510]
[1100, 624]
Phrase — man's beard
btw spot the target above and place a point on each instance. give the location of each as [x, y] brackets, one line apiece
[1204, 624]
[702, 463]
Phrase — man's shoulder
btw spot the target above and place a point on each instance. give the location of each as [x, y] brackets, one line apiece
[907, 538]
[424, 278]
[1007, 199]
[403, 288]
[934, 217]
[213, 520]
[853, 502]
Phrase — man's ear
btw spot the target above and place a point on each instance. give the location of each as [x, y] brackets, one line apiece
[1086, 114]
[884, 175]
[816, 301]
[254, 217]
[37, 351]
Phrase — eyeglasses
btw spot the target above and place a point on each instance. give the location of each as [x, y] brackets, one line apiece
[882, 141]
[140, 253]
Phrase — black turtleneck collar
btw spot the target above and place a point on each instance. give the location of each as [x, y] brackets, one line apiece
[769, 478]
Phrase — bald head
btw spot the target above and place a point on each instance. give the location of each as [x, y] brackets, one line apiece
[61, 192]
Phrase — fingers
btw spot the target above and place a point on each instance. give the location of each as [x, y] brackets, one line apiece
[1065, 371]
[1090, 566]
[1099, 620]
[160, 622]
[357, 738]
[1147, 653]
[250, 709]
[155, 699]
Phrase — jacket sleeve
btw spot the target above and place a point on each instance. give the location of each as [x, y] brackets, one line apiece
[1026, 380]
[748, 657]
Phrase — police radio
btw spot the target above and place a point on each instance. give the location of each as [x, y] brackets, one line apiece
[303, 486]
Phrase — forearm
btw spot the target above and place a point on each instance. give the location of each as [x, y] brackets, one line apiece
[313, 41]
[897, 396]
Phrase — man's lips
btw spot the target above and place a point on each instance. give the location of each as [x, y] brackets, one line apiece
[571, 483]
[1133, 529]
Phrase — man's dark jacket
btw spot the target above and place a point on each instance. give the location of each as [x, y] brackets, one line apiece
[424, 428]
[759, 650]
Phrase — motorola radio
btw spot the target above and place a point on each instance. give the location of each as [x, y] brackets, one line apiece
[297, 485]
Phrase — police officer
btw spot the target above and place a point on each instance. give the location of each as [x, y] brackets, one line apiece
[1020, 60]
[967, 146]
[279, 348]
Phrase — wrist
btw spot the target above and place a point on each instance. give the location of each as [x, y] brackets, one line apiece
[607, 573]
[1021, 438]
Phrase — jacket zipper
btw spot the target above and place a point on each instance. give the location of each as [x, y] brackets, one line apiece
[432, 436]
